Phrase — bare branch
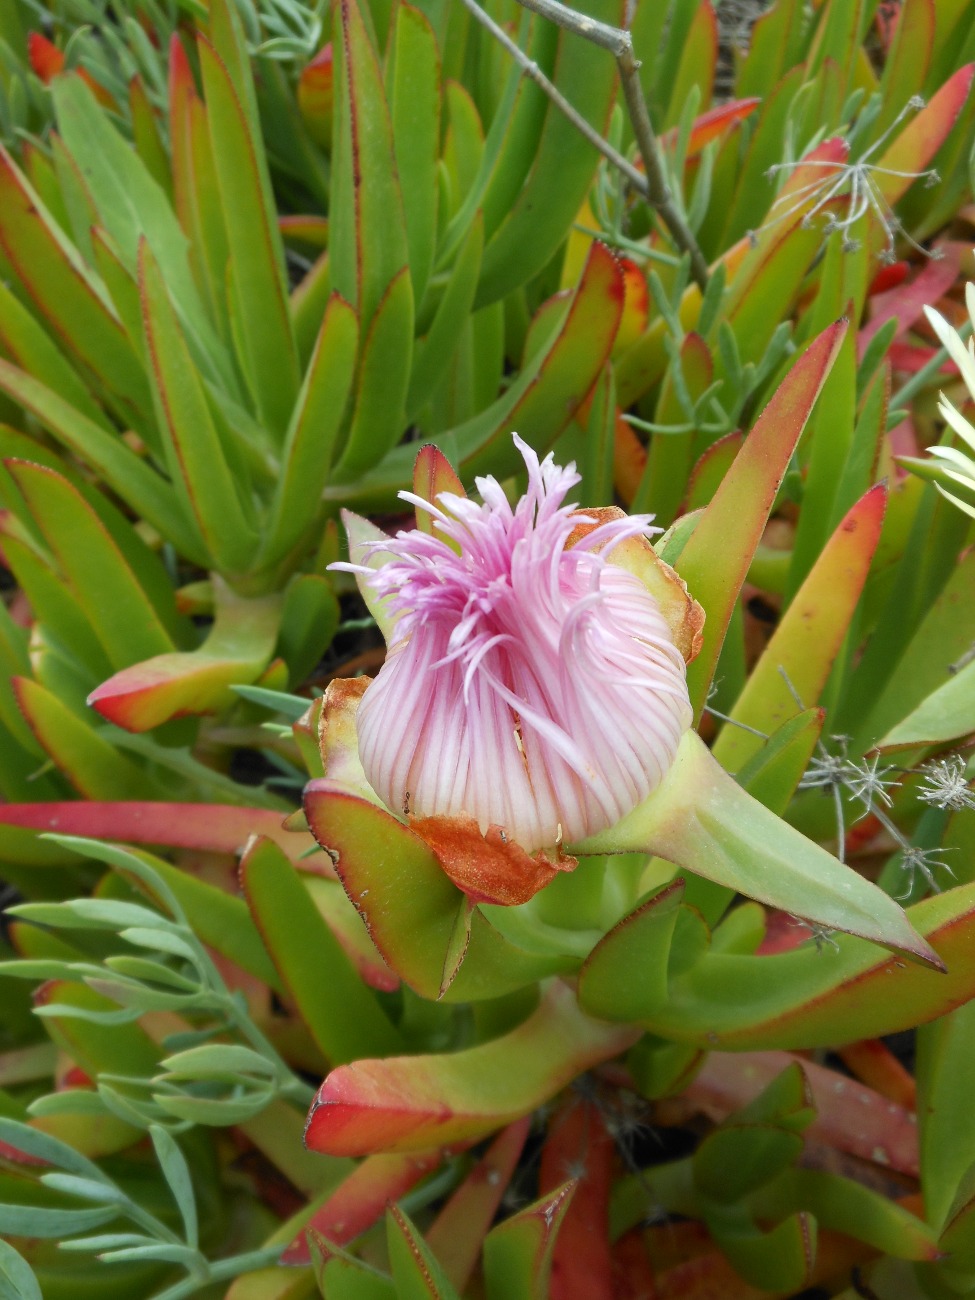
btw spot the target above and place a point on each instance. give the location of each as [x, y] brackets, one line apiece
[534, 73]
[652, 182]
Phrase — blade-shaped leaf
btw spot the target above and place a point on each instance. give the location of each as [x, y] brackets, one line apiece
[416, 1270]
[518, 1252]
[808, 998]
[65, 292]
[810, 634]
[415, 110]
[307, 455]
[197, 461]
[340, 1011]
[146, 491]
[89, 761]
[368, 229]
[131, 205]
[562, 166]
[362, 1198]
[259, 302]
[715, 559]
[457, 1233]
[120, 612]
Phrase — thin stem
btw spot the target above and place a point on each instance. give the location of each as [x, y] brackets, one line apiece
[652, 182]
[534, 73]
[658, 191]
[614, 39]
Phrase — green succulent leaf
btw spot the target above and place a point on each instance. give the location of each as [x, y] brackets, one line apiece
[348, 1022]
[17, 1278]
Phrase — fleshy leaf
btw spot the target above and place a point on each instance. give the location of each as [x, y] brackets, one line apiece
[518, 1252]
[701, 819]
[456, 1235]
[341, 1013]
[406, 1103]
[810, 634]
[236, 651]
[360, 1200]
[716, 557]
[807, 998]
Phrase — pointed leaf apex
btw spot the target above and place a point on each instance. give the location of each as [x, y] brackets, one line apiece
[433, 474]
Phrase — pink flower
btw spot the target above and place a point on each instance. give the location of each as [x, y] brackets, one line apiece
[531, 683]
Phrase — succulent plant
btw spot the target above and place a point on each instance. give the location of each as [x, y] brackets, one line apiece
[392, 1042]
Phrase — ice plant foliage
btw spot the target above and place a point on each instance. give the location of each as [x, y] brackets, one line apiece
[531, 683]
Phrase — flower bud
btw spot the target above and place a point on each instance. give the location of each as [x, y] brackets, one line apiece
[533, 691]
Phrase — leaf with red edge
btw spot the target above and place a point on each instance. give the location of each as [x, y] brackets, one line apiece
[907, 60]
[710, 125]
[118, 607]
[539, 404]
[341, 1013]
[346, 924]
[304, 228]
[913, 148]
[716, 557]
[212, 828]
[905, 300]
[605, 986]
[417, 1274]
[259, 305]
[850, 1117]
[236, 651]
[433, 474]
[809, 636]
[670, 458]
[316, 96]
[65, 293]
[567, 373]
[795, 999]
[48, 62]
[362, 1199]
[457, 1234]
[582, 1267]
[561, 166]
[405, 1104]
[196, 197]
[44, 56]
[710, 468]
[698, 61]
[199, 460]
[518, 1252]
[368, 236]
[89, 761]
